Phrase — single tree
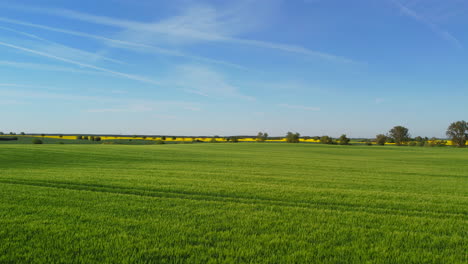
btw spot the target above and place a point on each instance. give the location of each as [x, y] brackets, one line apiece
[380, 139]
[458, 133]
[400, 134]
[344, 140]
[261, 137]
[292, 137]
[22, 133]
[163, 138]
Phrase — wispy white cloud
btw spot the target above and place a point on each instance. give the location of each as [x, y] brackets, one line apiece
[119, 92]
[126, 109]
[47, 67]
[300, 107]
[113, 104]
[405, 10]
[205, 81]
[38, 92]
[196, 23]
[379, 100]
[64, 50]
[85, 65]
[139, 106]
[27, 86]
[11, 102]
[123, 44]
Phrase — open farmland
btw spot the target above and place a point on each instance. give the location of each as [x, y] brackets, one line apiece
[252, 202]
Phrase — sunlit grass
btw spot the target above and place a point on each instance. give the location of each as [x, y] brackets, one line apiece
[196, 203]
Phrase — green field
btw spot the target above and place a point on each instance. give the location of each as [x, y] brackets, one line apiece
[45, 140]
[232, 203]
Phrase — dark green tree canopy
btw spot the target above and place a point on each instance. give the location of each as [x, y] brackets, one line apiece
[292, 137]
[262, 136]
[400, 134]
[458, 133]
[381, 139]
[344, 140]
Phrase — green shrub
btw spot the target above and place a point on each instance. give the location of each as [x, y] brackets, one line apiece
[344, 140]
[442, 143]
[37, 141]
[381, 139]
[160, 142]
[326, 140]
[292, 137]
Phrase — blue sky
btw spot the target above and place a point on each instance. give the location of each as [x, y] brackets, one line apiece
[317, 67]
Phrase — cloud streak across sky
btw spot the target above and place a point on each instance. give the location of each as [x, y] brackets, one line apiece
[197, 23]
[424, 21]
[123, 43]
[76, 63]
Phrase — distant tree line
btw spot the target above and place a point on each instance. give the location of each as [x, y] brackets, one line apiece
[90, 138]
[457, 133]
